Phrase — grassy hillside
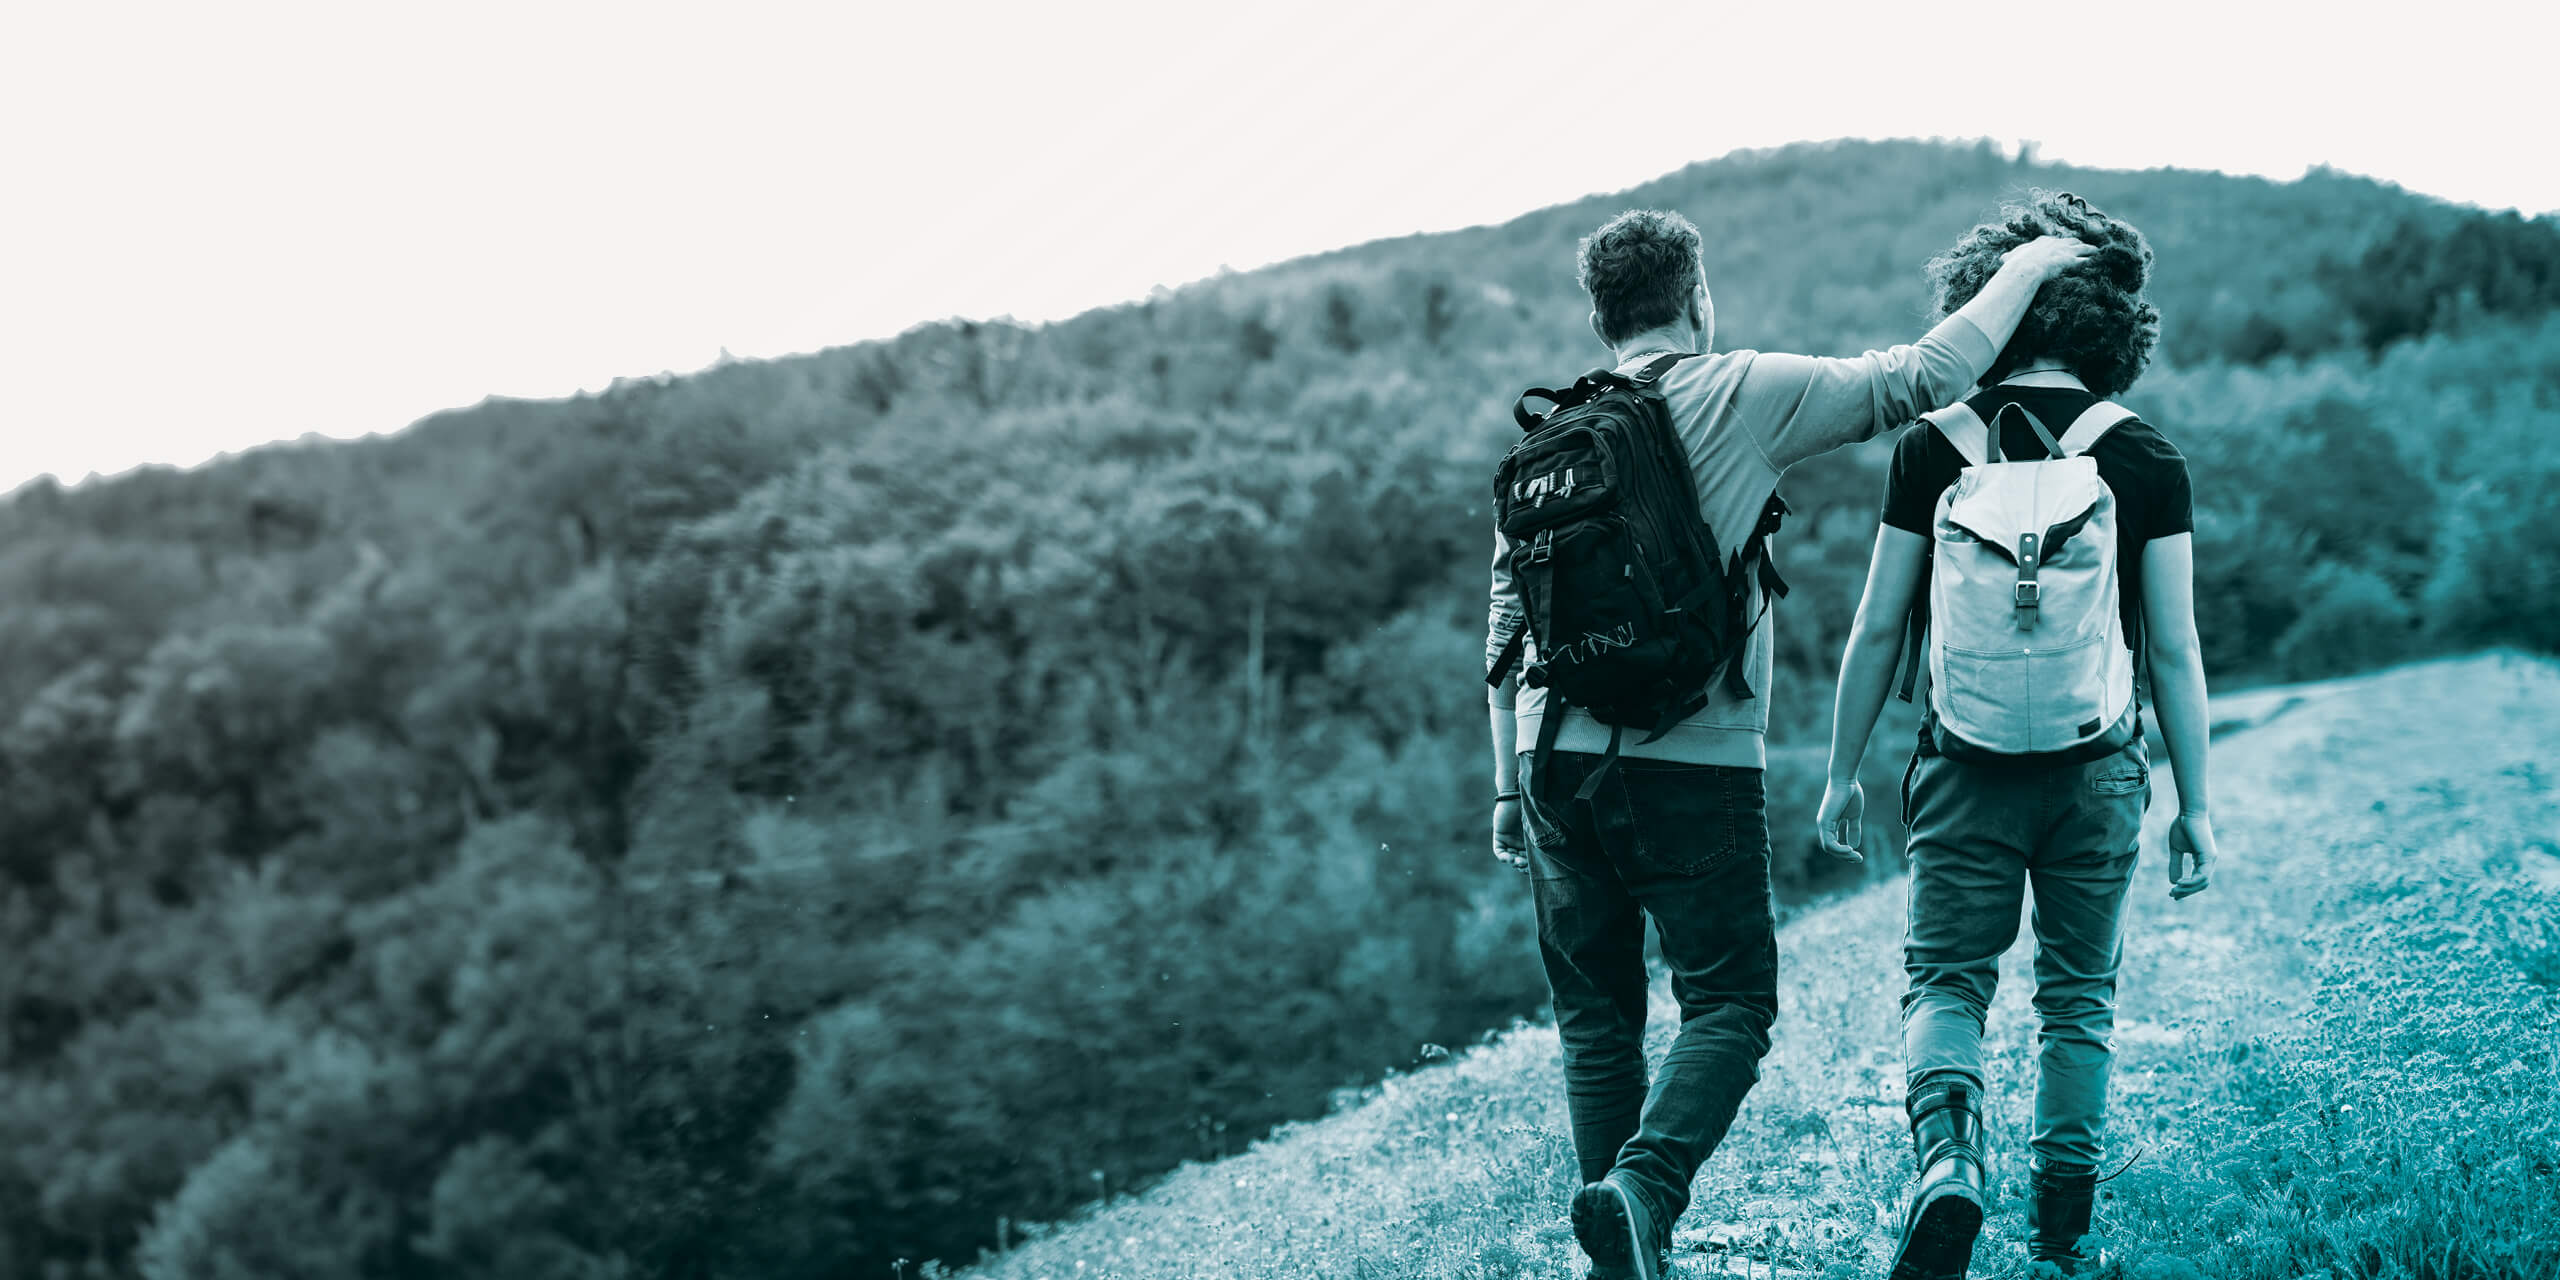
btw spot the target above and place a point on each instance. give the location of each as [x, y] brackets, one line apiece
[2342, 1060]
[798, 815]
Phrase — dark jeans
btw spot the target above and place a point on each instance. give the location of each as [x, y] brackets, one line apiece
[1981, 837]
[1687, 844]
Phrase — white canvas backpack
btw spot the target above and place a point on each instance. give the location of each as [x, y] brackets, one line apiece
[2025, 644]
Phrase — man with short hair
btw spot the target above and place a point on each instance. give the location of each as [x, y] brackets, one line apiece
[1682, 834]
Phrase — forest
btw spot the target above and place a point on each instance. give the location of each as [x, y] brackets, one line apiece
[824, 811]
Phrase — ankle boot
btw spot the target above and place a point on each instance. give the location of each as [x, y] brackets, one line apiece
[2058, 1201]
[1946, 1214]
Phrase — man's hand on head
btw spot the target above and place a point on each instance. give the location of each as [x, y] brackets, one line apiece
[2047, 256]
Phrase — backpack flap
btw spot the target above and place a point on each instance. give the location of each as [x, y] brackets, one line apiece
[2021, 513]
[2004, 503]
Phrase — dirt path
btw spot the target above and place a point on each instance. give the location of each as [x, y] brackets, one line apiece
[2321, 793]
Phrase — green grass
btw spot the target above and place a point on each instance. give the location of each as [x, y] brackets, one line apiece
[2343, 1060]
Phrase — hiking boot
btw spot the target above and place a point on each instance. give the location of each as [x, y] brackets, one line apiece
[1616, 1228]
[1946, 1214]
[2058, 1200]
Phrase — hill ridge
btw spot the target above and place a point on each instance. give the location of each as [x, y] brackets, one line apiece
[1678, 187]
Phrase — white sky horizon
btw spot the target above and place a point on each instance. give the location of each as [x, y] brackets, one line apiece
[236, 226]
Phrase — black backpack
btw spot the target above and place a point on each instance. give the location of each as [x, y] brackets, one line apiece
[1636, 614]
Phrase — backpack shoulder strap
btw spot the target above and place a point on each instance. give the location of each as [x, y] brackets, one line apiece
[1991, 434]
[2093, 422]
[1964, 429]
[1658, 366]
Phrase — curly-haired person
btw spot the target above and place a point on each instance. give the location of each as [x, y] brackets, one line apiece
[1988, 828]
[1677, 827]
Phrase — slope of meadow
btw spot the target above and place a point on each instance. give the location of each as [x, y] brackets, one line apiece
[2342, 1060]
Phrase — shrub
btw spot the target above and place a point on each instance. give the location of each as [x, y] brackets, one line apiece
[2351, 623]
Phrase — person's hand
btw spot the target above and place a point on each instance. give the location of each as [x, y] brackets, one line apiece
[2047, 256]
[2190, 847]
[1510, 835]
[1842, 820]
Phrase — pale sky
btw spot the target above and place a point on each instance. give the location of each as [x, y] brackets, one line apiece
[233, 223]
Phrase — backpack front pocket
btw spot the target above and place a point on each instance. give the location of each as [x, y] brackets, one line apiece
[1981, 696]
[1555, 481]
[1607, 642]
[2028, 699]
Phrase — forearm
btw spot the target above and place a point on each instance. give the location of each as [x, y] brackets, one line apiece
[2178, 699]
[1504, 640]
[1849, 400]
[1866, 674]
[2003, 302]
[1799, 407]
[1932, 373]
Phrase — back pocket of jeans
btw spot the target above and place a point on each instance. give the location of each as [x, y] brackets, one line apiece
[2120, 775]
[1690, 818]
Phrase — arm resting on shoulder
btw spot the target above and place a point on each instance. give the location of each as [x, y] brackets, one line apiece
[1800, 406]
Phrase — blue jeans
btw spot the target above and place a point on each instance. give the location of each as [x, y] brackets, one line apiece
[1981, 836]
[1688, 845]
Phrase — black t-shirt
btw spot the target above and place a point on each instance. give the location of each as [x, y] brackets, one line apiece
[2146, 473]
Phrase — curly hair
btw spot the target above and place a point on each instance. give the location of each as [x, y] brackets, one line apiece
[1640, 269]
[2092, 317]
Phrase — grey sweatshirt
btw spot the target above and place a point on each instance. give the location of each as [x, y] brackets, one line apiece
[1745, 417]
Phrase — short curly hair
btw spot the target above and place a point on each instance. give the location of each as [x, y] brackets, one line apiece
[2092, 317]
[1640, 269]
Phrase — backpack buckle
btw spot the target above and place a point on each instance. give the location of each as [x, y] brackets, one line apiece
[2028, 595]
[2030, 555]
[1540, 548]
